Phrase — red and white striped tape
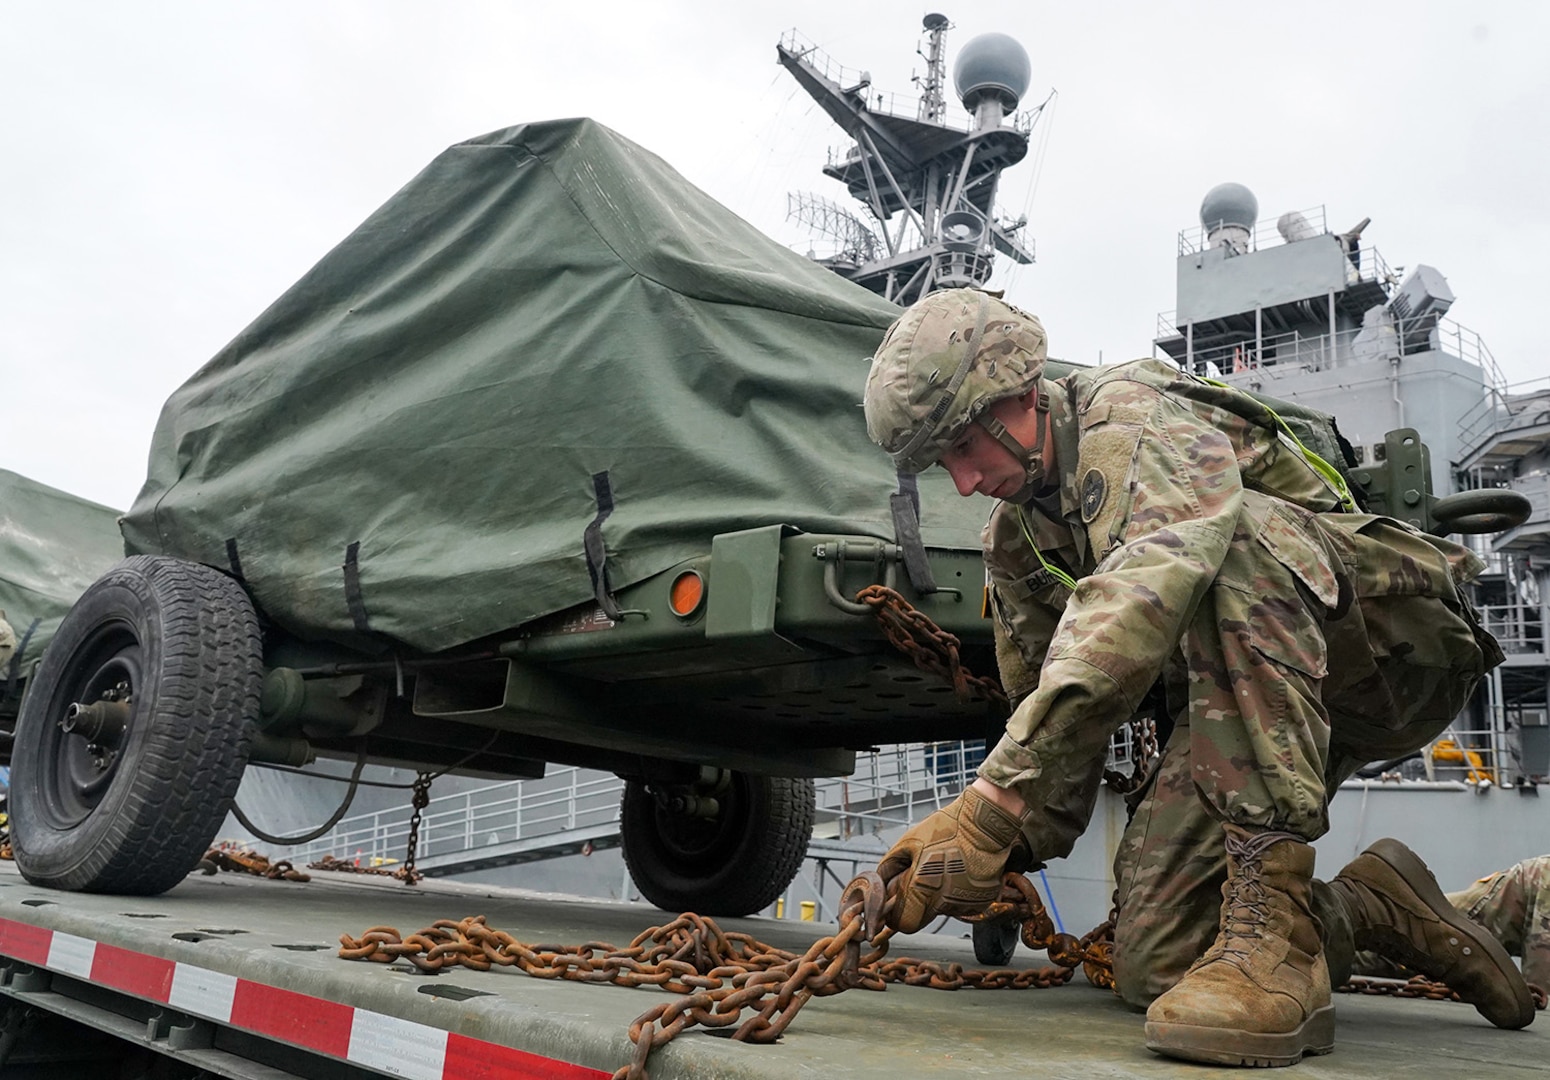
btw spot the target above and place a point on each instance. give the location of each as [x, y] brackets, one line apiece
[396, 1047]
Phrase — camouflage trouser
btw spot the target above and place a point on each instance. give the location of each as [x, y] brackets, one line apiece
[1513, 905]
[7, 645]
[1266, 734]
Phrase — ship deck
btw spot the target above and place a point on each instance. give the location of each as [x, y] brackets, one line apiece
[283, 934]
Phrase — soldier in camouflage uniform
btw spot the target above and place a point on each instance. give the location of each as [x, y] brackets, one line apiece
[1156, 528]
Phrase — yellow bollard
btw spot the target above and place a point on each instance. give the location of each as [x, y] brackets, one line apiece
[809, 910]
[780, 907]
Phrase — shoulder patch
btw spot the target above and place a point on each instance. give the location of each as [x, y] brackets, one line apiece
[1094, 488]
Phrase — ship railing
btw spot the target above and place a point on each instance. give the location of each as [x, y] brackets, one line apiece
[1516, 627]
[887, 790]
[1317, 352]
[905, 106]
[1504, 409]
[1265, 233]
[1370, 265]
[504, 811]
[1480, 756]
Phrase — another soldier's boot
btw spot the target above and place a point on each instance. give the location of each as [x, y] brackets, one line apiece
[1260, 994]
[1397, 911]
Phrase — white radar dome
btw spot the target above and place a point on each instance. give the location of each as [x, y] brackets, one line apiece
[1229, 204]
[992, 65]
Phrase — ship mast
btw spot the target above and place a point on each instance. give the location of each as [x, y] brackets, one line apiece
[933, 104]
[927, 186]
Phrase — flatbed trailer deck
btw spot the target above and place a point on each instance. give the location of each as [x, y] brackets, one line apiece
[238, 976]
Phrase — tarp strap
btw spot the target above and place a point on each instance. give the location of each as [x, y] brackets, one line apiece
[233, 559]
[352, 587]
[905, 504]
[597, 554]
[15, 668]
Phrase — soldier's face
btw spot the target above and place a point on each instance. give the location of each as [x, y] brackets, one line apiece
[979, 464]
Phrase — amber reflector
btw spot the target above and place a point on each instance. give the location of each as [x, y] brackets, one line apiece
[687, 594]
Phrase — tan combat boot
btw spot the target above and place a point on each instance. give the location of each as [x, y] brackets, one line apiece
[1398, 912]
[1260, 994]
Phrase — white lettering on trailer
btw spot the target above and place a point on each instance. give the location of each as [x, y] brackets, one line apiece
[71, 955]
[397, 1047]
[203, 992]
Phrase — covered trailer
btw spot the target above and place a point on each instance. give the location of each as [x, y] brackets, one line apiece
[53, 545]
[553, 459]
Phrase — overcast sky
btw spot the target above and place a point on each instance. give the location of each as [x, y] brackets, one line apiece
[170, 168]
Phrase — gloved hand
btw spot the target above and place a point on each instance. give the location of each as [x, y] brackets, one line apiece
[951, 863]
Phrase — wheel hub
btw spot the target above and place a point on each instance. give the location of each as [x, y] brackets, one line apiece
[92, 729]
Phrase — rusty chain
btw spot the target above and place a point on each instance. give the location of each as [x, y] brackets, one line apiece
[1143, 752]
[931, 648]
[936, 651]
[721, 976]
[345, 866]
[243, 860]
[1419, 986]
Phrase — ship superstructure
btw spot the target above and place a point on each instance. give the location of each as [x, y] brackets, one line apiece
[927, 181]
[1294, 309]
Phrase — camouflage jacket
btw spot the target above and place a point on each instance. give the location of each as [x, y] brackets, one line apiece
[1155, 471]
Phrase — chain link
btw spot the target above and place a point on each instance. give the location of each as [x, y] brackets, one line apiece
[721, 976]
[1418, 986]
[931, 648]
[421, 799]
[345, 866]
[1144, 752]
[247, 861]
[936, 651]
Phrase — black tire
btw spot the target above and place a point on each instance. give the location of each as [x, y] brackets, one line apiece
[734, 864]
[995, 942]
[133, 813]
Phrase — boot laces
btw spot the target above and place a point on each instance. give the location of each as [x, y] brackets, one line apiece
[1244, 915]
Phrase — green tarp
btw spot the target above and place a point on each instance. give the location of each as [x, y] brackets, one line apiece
[52, 546]
[539, 306]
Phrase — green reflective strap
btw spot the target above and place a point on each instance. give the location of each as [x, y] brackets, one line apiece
[1328, 472]
[1054, 571]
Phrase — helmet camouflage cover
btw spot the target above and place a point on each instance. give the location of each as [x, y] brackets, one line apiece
[941, 364]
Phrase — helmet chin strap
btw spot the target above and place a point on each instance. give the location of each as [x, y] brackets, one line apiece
[1030, 457]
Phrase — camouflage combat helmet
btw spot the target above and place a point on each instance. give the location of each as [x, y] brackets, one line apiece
[949, 357]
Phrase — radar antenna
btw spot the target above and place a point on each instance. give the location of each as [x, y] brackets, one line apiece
[855, 240]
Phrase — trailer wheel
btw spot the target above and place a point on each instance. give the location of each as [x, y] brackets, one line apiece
[734, 863]
[135, 732]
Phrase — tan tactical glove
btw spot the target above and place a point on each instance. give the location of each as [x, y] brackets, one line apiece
[951, 863]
